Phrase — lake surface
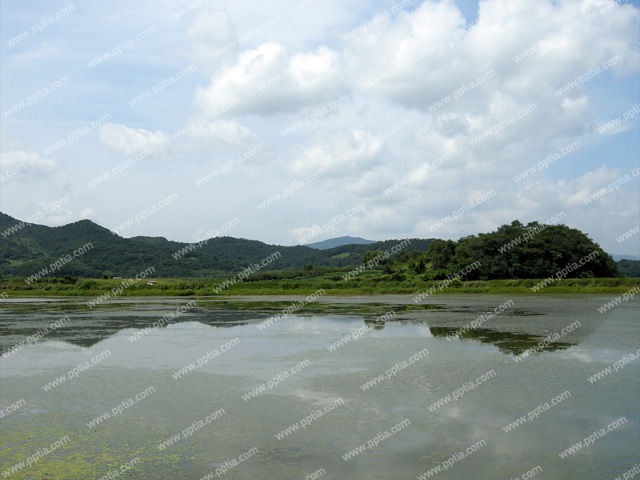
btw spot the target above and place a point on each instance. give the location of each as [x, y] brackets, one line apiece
[345, 388]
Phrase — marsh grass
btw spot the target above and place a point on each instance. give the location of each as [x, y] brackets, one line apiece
[368, 283]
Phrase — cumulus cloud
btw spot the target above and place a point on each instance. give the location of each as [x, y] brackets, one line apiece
[226, 133]
[532, 46]
[208, 34]
[407, 58]
[31, 159]
[24, 165]
[268, 80]
[87, 213]
[129, 142]
[339, 153]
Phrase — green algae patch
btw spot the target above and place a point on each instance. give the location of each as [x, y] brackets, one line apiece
[52, 446]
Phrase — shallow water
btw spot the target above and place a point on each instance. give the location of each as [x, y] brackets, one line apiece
[328, 392]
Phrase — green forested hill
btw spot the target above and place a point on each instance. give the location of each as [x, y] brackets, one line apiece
[26, 249]
[524, 251]
[631, 268]
[512, 251]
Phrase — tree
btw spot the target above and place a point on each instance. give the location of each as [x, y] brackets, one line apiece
[402, 257]
[375, 258]
[440, 253]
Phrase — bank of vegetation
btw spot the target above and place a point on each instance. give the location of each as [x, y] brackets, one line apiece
[516, 258]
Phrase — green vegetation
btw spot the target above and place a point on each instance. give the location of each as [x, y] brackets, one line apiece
[31, 248]
[376, 283]
[503, 261]
[523, 251]
[630, 268]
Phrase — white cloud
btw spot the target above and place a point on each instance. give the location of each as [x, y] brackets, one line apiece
[381, 221]
[208, 34]
[267, 80]
[31, 159]
[129, 141]
[405, 58]
[306, 234]
[20, 164]
[60, 216]
[341, 154]
[226, 133]
[87, 213]
[420, 57]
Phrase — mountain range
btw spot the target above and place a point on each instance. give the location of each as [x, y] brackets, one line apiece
[29, 248]
[86, 249]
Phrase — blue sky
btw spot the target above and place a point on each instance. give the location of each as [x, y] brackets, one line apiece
[296, 112]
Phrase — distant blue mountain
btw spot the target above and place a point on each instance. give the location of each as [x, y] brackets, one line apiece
[620, 257]
[339, 242]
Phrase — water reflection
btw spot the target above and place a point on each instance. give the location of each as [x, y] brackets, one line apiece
[86, 328]
[262, 354]
[507, 342]
[375, 323]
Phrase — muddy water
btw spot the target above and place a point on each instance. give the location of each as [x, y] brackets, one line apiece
[391, 399]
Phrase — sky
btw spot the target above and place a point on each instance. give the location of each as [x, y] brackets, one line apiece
[295, 121]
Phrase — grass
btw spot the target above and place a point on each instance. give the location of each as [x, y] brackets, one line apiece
[368, 283]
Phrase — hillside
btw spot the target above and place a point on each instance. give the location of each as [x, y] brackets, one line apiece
[512, 251]
[630, 268]
[523, 251]
[29, 248]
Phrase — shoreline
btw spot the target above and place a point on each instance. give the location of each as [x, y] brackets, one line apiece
[109, 288]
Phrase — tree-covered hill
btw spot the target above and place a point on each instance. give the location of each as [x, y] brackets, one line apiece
[523, 251]
[26, 249]
[630, 268]
[512, 251]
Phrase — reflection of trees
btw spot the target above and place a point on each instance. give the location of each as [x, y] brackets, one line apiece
[90, 328]
[375, 323]
[507, 342]
[82, 334]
